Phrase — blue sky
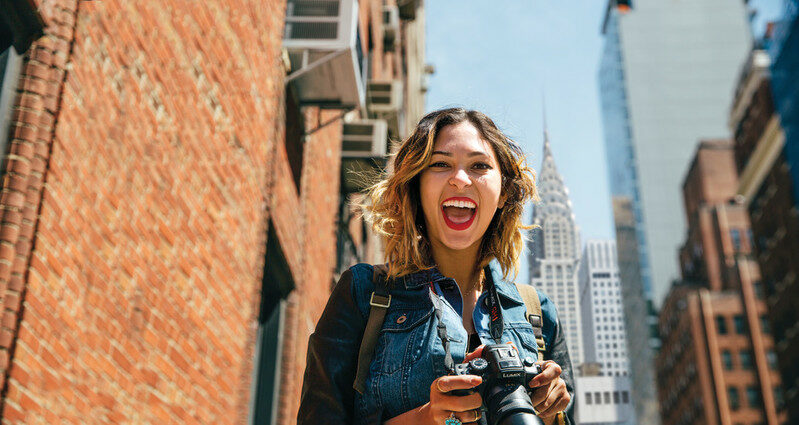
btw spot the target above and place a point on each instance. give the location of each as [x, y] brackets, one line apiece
[504, 60]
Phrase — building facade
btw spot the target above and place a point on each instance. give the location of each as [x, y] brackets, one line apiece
[172, 195]
[555, 250]
[604, 389]
[604, 400]
[766, 189]
[604, 337]
[727, 364]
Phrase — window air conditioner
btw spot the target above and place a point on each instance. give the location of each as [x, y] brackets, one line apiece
[384, 100]
[324, 48]
[363, 153]
[364, 139]
[391, 27]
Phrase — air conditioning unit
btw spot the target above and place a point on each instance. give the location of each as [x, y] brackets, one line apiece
[363, 153]
[324, 49]
[391, 26]
[384, 100]
[364, 139]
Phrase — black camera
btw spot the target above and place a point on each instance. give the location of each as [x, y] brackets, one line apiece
[504, 387]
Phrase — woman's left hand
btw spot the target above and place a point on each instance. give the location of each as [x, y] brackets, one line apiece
[549, 394]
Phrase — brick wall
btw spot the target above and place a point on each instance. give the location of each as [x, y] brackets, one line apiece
[147, 158]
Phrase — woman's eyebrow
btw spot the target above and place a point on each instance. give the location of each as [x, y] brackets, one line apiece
[471, 154]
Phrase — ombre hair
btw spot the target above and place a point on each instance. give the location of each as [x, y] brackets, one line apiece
[393, 205]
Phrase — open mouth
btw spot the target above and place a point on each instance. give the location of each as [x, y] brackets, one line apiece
[459, 213]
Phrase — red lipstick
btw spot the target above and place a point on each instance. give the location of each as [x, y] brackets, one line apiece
[459, 226]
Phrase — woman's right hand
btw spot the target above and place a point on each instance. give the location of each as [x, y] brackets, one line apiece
[442, 405]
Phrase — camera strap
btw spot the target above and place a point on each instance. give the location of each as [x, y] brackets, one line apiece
[497, 326]
[449, 364]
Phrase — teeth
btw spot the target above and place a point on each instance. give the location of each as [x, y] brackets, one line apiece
[460, 204]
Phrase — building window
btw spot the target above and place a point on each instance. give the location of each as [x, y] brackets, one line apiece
[721, 325]
[736, 239]
[753, 397]
[597, 399]
[746, 359]
[771, 356]
[615, 397]
[587, 398]
[758, 287]
[732, 395]
[726, 358]
[779, 400]
[606, 395]
[765, 326]
[625, 396]
[740, 324]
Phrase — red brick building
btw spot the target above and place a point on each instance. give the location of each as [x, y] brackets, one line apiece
[717, 363]
[171, 204]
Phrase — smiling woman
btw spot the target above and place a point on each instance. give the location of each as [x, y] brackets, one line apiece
[385, 348]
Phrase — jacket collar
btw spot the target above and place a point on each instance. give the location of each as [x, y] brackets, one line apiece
[421, 278]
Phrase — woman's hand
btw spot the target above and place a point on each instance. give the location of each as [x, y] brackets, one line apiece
[466, 408]
[549, 395]
[442, 405]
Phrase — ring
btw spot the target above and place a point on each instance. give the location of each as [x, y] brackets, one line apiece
[438, 386]
[452, 420]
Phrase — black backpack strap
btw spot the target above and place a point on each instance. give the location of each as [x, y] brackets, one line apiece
[379, 302]
[534, 313]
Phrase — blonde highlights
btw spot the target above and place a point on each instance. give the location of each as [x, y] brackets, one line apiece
[393, 205]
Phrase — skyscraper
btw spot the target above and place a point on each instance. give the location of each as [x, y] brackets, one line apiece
[666, 78]
[606, 364]
[555, 249]
[604, 340]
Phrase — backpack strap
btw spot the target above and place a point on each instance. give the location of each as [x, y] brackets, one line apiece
[534, 314]
[379, 303]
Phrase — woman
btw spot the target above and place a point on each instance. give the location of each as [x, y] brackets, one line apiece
[450, 217]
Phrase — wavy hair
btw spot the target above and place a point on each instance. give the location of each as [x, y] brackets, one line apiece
[393, 205]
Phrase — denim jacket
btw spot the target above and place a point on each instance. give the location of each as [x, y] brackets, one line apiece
[409, 353]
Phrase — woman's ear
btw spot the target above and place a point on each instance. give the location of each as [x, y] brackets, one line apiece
[502, 199]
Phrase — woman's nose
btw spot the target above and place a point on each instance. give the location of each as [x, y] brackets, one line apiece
[460, 179]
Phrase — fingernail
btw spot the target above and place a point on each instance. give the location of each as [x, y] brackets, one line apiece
[477, 380]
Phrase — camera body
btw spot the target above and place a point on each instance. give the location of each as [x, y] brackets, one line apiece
[504, 387]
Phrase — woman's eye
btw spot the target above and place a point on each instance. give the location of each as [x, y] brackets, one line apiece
[439, 164]
[482, 166]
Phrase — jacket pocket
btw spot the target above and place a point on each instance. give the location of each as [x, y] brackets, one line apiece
[528, 345]
[401, 339]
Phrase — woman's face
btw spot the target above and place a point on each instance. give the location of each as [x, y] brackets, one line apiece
[460, 189]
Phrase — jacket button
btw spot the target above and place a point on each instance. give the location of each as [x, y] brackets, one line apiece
[401, 319]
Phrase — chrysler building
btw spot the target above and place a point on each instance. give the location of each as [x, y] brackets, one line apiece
[555, 250]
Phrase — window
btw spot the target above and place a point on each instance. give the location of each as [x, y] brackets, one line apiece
[771, 356]
[746, 359]
[740, 324]
[765, 325]
[625, 396]
[606, 395]
[587, 398]
[597, 399]
[721, 325]
[726, 358]
[616, 396]
[732, 395]
[735, 234]
[779, 400]
[753, 396]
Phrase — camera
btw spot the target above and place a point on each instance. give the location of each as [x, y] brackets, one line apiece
[504, 387]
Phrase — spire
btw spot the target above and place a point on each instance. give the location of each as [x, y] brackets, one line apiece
[547, 150]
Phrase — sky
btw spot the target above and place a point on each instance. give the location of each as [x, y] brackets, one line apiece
[509, 61]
